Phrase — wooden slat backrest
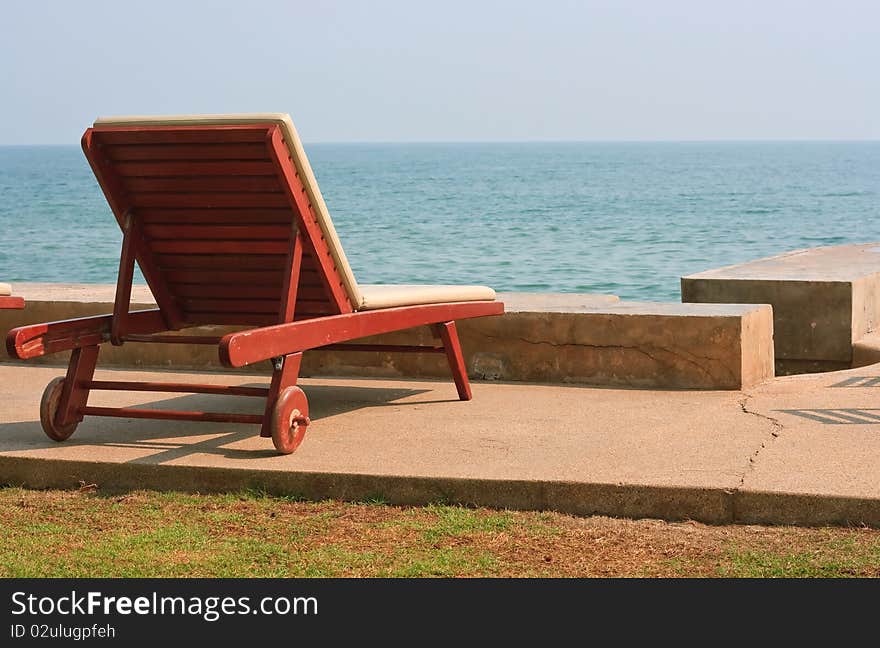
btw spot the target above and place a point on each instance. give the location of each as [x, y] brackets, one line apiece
[218, 208]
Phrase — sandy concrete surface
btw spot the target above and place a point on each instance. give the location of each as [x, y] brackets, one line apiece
[802, 450]
[826, 446]
[829, 263]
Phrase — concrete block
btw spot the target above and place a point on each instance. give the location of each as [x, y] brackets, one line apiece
[824, 300]
[556, 338]
[867, 350]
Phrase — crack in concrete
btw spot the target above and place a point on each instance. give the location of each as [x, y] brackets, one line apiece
[775, 430]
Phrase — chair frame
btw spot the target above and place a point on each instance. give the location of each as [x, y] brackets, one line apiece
[278, 337]
[11, 302]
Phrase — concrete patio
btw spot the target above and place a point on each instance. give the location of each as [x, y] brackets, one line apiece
[797, 450]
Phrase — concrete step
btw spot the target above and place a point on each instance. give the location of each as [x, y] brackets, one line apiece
[561, 338]
[824, 299]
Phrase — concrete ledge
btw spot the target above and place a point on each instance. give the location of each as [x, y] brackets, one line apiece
[709, 505]
[797, 509]
[824, 300]
[714, 506]
[562, 338]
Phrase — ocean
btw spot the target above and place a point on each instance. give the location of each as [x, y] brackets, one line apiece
[622, 218]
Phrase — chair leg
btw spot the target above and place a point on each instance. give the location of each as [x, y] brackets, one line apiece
[448, 334]
[284, 375]
[75, 393]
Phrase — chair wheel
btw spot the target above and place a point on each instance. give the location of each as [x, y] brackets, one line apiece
[290, 418]
[48, 410]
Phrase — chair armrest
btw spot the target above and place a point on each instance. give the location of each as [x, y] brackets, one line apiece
[247, 347]
[35, 340]
[11, 302]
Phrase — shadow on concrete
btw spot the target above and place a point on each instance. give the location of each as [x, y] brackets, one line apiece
[325, 401]
[859, 381]
[838, 416]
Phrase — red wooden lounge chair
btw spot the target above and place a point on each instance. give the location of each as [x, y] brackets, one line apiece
[7, 300]
[225, 219]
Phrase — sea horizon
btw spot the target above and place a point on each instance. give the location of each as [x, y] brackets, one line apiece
[616, 217]
[792, 140]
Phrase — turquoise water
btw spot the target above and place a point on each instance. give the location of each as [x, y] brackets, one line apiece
[621, 218]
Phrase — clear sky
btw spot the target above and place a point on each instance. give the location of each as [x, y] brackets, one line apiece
[388, 70]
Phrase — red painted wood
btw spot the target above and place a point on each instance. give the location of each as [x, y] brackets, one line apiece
[183, 388]
[12, 303]
[218, 232]
[172, 415]
[217, 216]
[206, 151]
[232, 319]
[221, 262]
[244, 277]
[246, 347]
[221, 225]
[120, 204]
[321, 307]
[222, 291]
[299, 316]
[289, 420]
[207, 200]
[122, 301]
[220, 247]
[282, 378]
[383, 348]
[174, 339]
[35, 340]
[220, 184]
[304, 315]
[449, 335]
[309, 278]
[290, 289]
[75, 392]
[308, 266]
[77, 339]
[113, 135]
[200, 168]
[229, 305]
[308, 294]
[313, 238]
[49, 412]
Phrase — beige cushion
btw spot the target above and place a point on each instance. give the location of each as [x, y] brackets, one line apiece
[375, 297]
[362, 297]
[5, 289]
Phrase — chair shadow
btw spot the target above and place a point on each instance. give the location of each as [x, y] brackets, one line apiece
[837, 416]
[858, 381]
[169, 439]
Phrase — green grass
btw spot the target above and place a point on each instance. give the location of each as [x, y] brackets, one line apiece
[836, 558]
[150, 534]
[453, 521]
